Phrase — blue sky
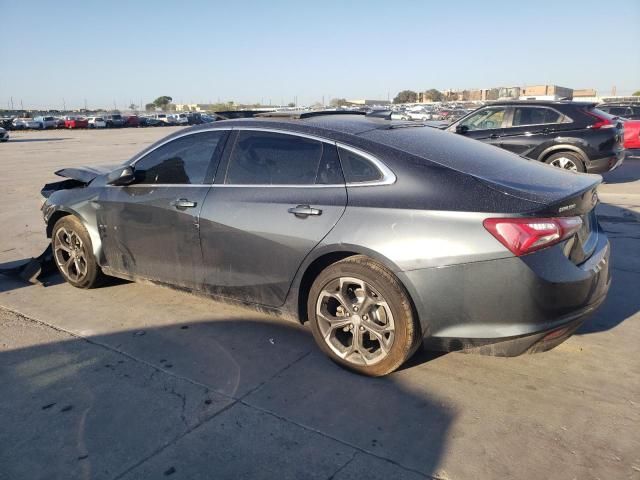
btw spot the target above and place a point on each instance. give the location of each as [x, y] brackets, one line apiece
[249, 51]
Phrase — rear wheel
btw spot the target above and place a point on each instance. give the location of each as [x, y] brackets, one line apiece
[566, 161]
[362, 318]
[73, 253]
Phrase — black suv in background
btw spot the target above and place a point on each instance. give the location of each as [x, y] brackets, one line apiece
[628, 111]
[569, 135]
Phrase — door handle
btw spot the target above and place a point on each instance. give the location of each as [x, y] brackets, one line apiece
[303, 211]
[183, 203]
[494, 136]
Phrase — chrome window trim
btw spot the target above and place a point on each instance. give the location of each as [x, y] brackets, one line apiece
[388, 177]
[136, 160]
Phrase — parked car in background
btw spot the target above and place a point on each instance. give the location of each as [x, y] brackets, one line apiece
[180, 119]
[421, 115]
[630, 111]
[525, 261]
[4, 135]
[194, 118]
[96, 122]
[400, 115]
[131, 121]
[47, 122]
[632, 136]
[164, 118]
[150, 122]
[26, 124]
[6, 123]
[61, 122]
[114, 120]
[76, 122]
[570, 135]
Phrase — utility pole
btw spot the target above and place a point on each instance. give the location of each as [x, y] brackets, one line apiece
[11, 103]
[85, 104]
[64, 105]
[21, 107]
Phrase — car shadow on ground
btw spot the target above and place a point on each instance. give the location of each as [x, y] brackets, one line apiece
[189, 392]
[628, 172]
[25, 140]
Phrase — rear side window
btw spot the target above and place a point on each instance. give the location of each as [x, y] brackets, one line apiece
[535, 116]
[358, 169]
[185, 160]
[619, 111]
[268, 158]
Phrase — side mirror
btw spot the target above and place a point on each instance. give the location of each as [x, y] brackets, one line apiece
[462, 129]
[121, 176]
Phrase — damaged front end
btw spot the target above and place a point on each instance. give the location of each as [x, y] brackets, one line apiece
[34, 270]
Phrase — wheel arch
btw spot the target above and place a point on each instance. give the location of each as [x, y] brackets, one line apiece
[323, 258]
[60, 212]
[547, 152]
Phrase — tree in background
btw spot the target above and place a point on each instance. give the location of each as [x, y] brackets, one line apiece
[163, 102]
[434, 95]
[133, 106]
[150, 107]
[338, 102]
[636, 93]
[291, 104]
[406, 96]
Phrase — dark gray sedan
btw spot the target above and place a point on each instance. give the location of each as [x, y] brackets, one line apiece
[380, 234]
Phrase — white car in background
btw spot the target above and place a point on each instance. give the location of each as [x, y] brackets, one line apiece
[164, 118]
[421, 115]
[4, 135]
[97, 122]
[180, 119]
[400, 115]
[26, 123]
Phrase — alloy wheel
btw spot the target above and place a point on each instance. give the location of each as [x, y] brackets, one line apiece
[355, 321]
[565, 163]
[70, 254]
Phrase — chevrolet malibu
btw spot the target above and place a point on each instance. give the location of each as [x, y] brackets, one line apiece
[382, 235]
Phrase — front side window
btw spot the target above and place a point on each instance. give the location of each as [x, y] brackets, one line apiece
[485, 119]
[358, 169]
[268, 158]
[185, 160]
[618, 111]
[535, 116]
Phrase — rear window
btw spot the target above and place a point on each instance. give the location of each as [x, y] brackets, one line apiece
[476, 158]
[535, 116]
[116, 117]
[99, 119]
[358, 169]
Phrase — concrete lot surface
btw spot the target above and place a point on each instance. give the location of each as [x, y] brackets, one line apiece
[136, 381]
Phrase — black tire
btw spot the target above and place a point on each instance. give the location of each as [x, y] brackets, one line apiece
[568, 159]
[382, 283]
[89, 274]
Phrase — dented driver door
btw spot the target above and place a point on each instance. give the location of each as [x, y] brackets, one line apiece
[150, 229]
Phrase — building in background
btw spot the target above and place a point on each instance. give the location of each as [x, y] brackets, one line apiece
[545, 92]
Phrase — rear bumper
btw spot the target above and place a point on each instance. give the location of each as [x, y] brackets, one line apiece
[508, 306]
[605, 164]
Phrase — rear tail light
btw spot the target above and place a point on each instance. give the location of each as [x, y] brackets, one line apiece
[601, 122]
[526, 235]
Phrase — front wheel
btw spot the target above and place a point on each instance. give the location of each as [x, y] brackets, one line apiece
[73, 253]
[362, 318]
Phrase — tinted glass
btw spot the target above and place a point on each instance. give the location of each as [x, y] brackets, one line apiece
[185, 160]
[485, 119]
[265, 158]
[621, 111]
[358, 169]
[535, 116]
